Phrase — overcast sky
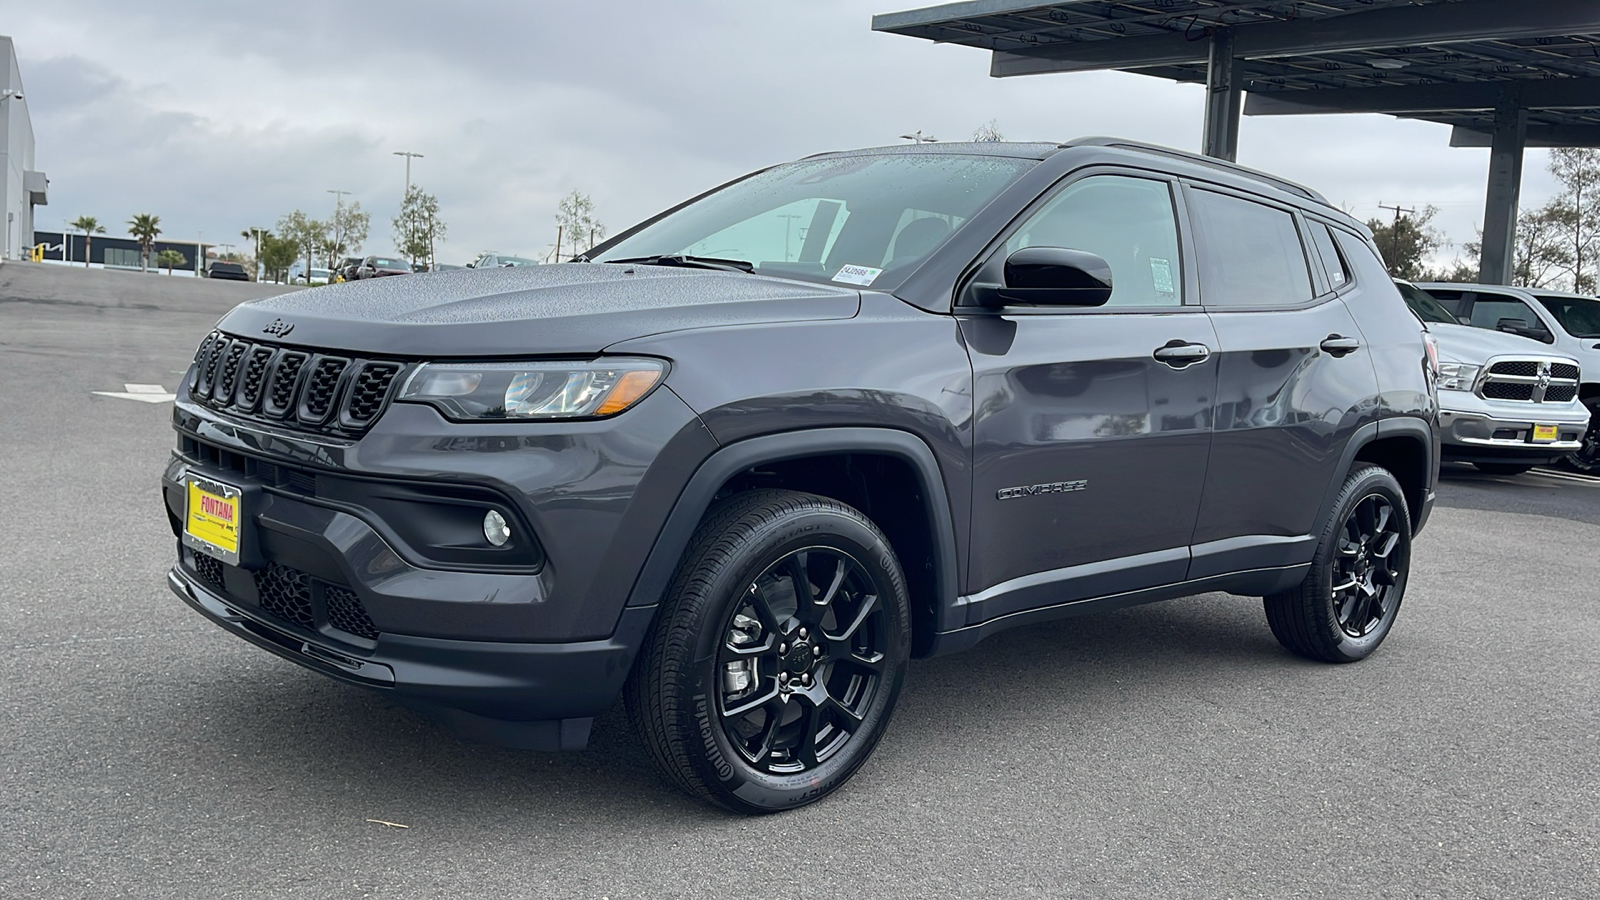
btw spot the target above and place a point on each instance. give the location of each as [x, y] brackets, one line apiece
[220, 116]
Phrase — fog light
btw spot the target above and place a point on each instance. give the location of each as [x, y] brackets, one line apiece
[496, 528]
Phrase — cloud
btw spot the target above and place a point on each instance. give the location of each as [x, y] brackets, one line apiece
[242, 113]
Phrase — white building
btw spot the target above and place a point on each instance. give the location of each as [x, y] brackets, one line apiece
[21, 187]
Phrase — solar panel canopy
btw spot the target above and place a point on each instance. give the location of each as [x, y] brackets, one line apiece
[1447, 61]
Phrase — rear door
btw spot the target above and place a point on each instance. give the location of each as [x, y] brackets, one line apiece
[1294, 382]
[1089, 450]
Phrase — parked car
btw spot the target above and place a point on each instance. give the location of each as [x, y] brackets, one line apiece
[1506, 403]
[500, 260]
[1567, 324]
[382, 266]
[316, 276]
[228, 271]
[346, 269]
[738, 477]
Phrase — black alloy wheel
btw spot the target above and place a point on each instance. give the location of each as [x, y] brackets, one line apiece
[1586, 459]
[1348, 601]
[778, 654]
[803, 658]
[1365, 570]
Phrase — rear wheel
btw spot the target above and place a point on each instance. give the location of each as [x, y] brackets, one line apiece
[777, 656]
[1502, 468]
[1347, 603]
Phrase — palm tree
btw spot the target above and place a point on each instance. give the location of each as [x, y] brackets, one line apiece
[144, 227]
[89, 225]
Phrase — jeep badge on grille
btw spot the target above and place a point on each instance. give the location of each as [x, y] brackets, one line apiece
[278, 328]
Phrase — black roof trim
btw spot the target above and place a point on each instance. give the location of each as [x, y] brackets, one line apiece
[1299, 190]
[1011, 149]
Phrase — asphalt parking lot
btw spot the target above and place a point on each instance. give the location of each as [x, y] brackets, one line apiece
[1164, 751]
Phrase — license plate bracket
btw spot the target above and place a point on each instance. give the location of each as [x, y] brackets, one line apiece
[213, 520]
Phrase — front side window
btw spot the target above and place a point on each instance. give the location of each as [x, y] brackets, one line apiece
[1577, 316]
[1129, 222]
[1252, 253]
[857, 220]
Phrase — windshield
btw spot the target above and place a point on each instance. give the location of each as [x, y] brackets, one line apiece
[845, 219]
[1579, 316]
[1423, 304]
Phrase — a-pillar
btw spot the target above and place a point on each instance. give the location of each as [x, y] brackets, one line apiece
[1224, 98]
[1505, 188]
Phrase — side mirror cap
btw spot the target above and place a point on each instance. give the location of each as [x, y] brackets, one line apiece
[1051, 276]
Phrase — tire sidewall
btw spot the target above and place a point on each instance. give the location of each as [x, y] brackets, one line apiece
[1367, 483]
[716, 760]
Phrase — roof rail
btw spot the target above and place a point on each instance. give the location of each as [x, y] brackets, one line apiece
[1298, 190]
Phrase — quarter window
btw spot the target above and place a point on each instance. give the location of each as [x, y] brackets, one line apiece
[1252, 253]
[1130, 222]
[1332, 262]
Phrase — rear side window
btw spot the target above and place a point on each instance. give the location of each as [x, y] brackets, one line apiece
[1332, 262]
[1252, 253]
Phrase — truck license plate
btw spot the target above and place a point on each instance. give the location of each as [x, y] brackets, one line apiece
[1544, 434]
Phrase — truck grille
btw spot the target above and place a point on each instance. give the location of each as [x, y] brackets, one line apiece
[297, 389]
[1530, 380]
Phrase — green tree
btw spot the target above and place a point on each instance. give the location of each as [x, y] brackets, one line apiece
[348, 232]
[1407, 241]
[577, 225]
[277, 255]
[169, 258]
[144, 228]
[90, 226]
[1575, 214]
[418, 228]
[307, 234]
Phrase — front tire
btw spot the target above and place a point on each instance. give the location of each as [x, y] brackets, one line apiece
[1586, 460]
[1347, 603]
[777, 656]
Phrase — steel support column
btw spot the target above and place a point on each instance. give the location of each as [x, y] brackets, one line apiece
[1224, 98]
[1497, 258]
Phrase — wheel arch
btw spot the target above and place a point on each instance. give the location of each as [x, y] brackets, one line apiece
[1406, 448]
[868, 468]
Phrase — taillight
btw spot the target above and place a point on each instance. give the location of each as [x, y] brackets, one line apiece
[1432, 344]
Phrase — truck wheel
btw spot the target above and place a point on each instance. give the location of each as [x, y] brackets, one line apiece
[1501, 468]
[1586, 460]
[777, 656]
[1347, 603]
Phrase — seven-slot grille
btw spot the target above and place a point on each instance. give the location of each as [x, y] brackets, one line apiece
[299, 389]
[1530, 380]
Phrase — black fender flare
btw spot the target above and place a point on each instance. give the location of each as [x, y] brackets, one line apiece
[656, 575]
[1398, 426]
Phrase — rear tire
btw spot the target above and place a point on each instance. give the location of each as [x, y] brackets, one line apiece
[778, 654]
[1347, 603]
[1502, 468]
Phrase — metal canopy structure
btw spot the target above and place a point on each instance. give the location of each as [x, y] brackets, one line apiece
[1506, 75]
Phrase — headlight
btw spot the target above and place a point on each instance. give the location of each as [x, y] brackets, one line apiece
[1457, 376]
[533, 390]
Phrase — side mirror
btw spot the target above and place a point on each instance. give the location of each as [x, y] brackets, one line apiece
[1522, 328]
[1051, 276]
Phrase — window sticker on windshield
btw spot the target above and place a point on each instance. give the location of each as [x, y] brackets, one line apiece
[1161, 275]
[862, 275]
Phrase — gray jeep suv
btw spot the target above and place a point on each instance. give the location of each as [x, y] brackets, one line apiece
[741, 462]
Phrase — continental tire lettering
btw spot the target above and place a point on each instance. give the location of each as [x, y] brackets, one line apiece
[1035, 490]
[709, 739]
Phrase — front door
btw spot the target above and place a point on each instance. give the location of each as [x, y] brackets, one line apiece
[1091, 425]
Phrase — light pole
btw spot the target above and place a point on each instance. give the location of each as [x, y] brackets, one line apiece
[409, 157]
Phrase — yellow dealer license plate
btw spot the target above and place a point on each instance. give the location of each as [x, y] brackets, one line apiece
[1544, 434]
[212, 522]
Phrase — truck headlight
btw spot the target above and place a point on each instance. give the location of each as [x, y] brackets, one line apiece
[1457, 376]
[554, 389]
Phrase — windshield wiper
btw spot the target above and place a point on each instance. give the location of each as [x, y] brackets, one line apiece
[691, 262]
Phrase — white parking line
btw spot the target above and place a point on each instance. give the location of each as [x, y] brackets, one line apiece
[1590, 480]
[144, 393]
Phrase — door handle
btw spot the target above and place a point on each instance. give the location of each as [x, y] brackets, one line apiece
[1181, 354]
[1339, 345]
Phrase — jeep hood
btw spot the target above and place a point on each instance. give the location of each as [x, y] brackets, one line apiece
[1474, 346]
[574, 308]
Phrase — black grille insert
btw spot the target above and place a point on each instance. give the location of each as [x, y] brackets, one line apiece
[293, 388]
[1560, 393]
[209, 569]
[1525, 368]
[286, 594]
[1564, 370]
[1507, 390]
[346, 613]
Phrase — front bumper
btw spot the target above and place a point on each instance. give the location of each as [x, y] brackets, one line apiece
[1477, 430]
[525, 695]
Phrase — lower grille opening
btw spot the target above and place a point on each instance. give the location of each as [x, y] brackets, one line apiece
[346, 613]
[296, 598]
[286, 593]
[209, 570]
